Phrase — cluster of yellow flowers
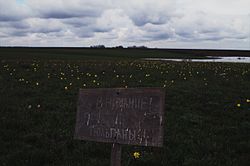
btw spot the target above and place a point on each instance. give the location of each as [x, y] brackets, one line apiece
[136, 155]
[76, 73]
[239, 104]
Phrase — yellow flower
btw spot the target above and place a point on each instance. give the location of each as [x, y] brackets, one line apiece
[66, 88]
[248, 101]
[136, 155]
[238, 105]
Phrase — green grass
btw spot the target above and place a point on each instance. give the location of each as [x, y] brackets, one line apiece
[203, 125]
[110, 53]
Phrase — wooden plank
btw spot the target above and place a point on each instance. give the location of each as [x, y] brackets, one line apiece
[131, 116]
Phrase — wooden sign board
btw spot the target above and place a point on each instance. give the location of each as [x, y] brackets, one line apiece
[131, 116]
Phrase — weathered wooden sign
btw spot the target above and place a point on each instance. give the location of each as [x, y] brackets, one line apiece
[121, 115]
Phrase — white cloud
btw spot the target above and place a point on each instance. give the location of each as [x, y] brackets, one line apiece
[115, 22]
[66, 9]
[148, 11]
[11, 11]
[220, 7]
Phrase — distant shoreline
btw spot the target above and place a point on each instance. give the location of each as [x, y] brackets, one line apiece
[146, 48]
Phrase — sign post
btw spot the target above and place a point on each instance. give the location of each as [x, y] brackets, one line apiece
[132, 116]
[116, 151]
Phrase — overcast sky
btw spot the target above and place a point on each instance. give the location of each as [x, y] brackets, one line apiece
[214, 24]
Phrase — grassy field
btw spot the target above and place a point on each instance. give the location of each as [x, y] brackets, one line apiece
[207, 107]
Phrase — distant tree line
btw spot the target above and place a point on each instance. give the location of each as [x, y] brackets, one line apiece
[97, 46]
[120, 47]
[138, 47]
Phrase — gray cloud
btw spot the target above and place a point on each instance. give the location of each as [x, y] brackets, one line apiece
[11, 11]
[15, 24]
[124, 22]
[84, 33]
[4, 17]
[142, 18]
[61, 9]
[18, 33]
[79, 22]
[156, 12]
[65, 13]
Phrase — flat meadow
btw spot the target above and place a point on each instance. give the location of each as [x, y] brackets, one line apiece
[207, 107]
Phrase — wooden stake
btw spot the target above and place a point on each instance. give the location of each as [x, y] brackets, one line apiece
[116, 151]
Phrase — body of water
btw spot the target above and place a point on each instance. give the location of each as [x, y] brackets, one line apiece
[210, 59]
